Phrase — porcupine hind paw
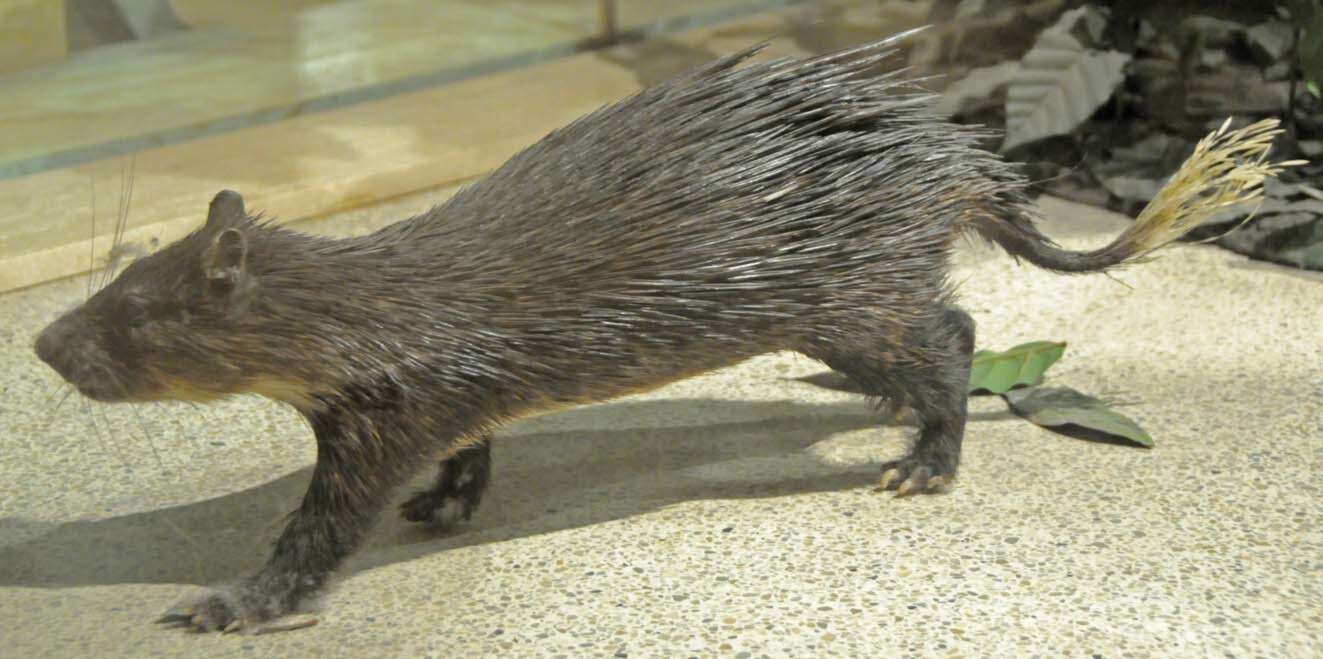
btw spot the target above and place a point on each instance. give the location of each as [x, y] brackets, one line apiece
[915, 475]
[438, 510]
[461, 481]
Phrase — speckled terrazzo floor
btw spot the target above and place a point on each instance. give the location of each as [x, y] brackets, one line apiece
[732, 515]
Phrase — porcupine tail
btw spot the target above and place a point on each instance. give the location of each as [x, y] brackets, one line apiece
[1227, 168]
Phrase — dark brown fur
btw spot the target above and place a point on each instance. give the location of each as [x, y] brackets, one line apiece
[802, 205]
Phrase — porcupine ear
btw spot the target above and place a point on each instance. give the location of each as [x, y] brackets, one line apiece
[227, 204]
[226, 261]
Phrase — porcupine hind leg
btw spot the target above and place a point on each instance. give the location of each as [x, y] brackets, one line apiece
[929, 373]
[460, 483]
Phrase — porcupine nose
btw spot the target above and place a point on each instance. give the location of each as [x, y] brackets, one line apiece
[48, 346]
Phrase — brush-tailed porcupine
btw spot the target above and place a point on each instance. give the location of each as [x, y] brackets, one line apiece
[801, 204]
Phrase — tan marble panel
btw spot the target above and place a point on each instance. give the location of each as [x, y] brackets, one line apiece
[220, 70]
[297, 168]
[31, 33]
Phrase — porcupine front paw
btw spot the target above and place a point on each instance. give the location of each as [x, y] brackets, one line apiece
[243, 607]
[914, 475]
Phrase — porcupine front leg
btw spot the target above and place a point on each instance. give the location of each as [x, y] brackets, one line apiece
[361, 458]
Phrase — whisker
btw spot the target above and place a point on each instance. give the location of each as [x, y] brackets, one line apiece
[53, 393]
[148, 436]
[123, 190]
[105, 420]
[121, 225]
[50, 414]
[101, 438]
[128, 203]
[201, 410]
[125, 195]
[110, 446]
[119, 203]
[68, 391]
[91, 260]
[66, 388]
[188, 540]
[125, 464]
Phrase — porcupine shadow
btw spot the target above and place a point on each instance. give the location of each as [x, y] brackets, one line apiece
[544, 482]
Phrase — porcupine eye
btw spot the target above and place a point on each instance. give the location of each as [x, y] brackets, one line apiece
[134, 312]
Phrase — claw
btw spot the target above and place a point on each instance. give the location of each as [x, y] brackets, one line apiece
[212, 614]
[889, 477]
[906, 487]
[181, 612]
[286, 627]
[936, 483]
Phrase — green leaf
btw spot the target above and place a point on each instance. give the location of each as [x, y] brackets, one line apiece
[990, 372]
[1064, 410]
[1023, 365]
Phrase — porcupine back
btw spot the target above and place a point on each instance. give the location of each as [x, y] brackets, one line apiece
[732, 211]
